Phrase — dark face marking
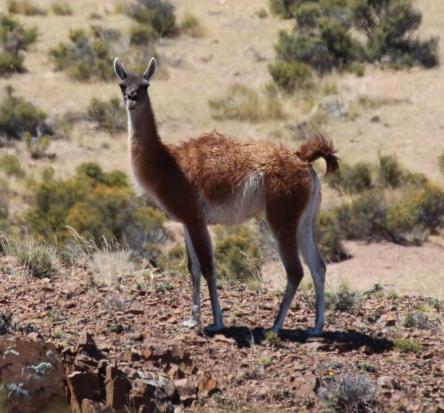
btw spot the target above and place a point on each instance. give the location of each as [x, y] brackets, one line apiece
[134, 90]
[134, 87]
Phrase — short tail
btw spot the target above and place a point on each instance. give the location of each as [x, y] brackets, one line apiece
[318, 146]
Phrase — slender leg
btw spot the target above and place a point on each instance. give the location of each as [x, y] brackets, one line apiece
[195, 271]
[201, 242]
[315, 262]
[312, 255]
[289, 255]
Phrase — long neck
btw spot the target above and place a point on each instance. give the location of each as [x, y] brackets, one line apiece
[142, 128]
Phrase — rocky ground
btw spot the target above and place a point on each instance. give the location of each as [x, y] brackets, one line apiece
[124, 345]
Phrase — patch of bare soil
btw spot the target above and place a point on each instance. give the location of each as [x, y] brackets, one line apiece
[156, 361]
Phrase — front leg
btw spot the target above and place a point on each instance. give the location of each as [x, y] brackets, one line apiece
[200, 243]
[195, 271]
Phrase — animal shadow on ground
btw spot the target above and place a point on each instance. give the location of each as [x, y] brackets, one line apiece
[344, 341]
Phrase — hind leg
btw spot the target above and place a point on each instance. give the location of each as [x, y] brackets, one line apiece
[287, 247]
[312, 255]
[315, 263]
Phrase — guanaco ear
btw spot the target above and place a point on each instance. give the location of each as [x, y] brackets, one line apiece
[149, 72]
[118, 68]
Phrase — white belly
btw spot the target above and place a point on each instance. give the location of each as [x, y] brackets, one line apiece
[247, 202]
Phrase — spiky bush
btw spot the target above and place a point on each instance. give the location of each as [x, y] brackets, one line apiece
[237, 253]
[39, 259]
[24, 7]
[87, 55]
[243, 103]
[325, 34]
[18, 116]
[350, 394]
[330, 238]
[11, 166]
[61, 8]
[109, 115]
[97, 205]
[156, 14]
[14, 39]
[292, 76]
[352, 179]
[344, 300]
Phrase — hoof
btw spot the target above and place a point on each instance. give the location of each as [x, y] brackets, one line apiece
[214, 328]
[190, 323]
[314, 332]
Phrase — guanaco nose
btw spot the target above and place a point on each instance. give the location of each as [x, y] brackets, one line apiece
[132, 95]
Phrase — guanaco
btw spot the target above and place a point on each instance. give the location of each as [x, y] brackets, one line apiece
[214, 179]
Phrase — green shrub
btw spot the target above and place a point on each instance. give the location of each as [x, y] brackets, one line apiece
[237, 253]
[87, 56]
[441, 163]
[38, 258]
[418, 319]
[388, 27]
[18, 116]
[418, 211]
[158, 14]
[61, 8]
[330, 238]
[11, 166]
[405, 345]
[390, 172]
[352, 179]
[109, 115]
[141, 35]
[245, 104]
[364, 218]
[36, 145]
[190, 25]
[292, 76]
[24, 7]
[342, 34]
[351, 393]
[14, 38]
[282, 8]
[344, 300]
[97, 205]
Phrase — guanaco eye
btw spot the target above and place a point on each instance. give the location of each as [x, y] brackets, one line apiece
[122, 88]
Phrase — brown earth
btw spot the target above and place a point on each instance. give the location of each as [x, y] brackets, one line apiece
[139, 331]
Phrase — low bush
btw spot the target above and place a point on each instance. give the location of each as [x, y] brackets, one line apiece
[245, 104]
[36, 145]
[97, 205]
[11, 166]
[157, 14]
[39, 259]
[418, 319]
[141, 35]
[441, 163]
[18, 116]
[109, 115]
[191, 26]
[14, 38]
[292, 76]
[330, 238]
[87, 56]
[237, 253]
[344, 300]
[342, 34]
[24, 7]
[352, 179]
[351, 393]
[406, 345]
[61, 8]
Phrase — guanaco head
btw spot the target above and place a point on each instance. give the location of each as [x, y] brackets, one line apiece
[134, 87]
